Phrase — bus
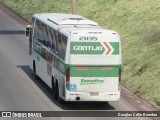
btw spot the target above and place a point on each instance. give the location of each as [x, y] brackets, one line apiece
[77, 58]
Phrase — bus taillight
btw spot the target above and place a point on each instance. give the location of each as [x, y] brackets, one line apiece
[107, 68]
[119, 74]
[81, 68]
[68, 75]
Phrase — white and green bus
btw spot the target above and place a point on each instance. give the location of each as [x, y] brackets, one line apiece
[75, 57]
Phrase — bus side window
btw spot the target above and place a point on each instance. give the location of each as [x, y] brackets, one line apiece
[38, 32]
[45, 43]
[37, 47]
[53, 47]
[49, 45]
[53, 40]
[44, 34]
[64, 44]
[33, 25]
[59, 44]
[49, 42]
[56, 40]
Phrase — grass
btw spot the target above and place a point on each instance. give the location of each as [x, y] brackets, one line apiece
[137, 21]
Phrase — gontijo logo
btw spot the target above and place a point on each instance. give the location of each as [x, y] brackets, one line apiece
[96, 48]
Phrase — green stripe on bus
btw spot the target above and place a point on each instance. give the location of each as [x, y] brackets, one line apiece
[75, 65]
[113, 72]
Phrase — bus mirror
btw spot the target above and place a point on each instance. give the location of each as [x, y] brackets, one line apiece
[28, 30]
[28, 33]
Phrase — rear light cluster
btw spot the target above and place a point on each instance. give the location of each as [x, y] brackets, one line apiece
[102, 68]
[107, 68]
[68, 75]
[68, 78]
[81, 68]
[120, 74]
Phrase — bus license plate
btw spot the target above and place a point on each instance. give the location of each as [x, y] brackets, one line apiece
[94, 94]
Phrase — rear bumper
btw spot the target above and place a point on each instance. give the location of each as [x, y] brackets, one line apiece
[85, 96]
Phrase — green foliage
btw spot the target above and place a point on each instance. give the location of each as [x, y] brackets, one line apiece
[137, 21]
[29, 7]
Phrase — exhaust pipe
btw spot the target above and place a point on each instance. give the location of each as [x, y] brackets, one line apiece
[77, 98]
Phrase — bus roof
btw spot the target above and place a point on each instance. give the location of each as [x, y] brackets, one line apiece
[68, 22]
[65, 19]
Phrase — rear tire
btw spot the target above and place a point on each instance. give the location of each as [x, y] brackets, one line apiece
[34, 69]
[55, 91]
[58, 97]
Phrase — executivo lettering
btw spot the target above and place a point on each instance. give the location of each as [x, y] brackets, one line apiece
[87, 82]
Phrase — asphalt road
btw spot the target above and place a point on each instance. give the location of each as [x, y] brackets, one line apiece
[20, 91]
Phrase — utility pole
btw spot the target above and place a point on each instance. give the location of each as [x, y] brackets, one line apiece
[73, 6]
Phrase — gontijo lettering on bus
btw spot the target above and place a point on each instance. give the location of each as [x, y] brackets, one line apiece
[96, 48]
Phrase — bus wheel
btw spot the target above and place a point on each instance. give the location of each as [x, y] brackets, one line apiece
[34, 70]
[58, 97]
[54, 90]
